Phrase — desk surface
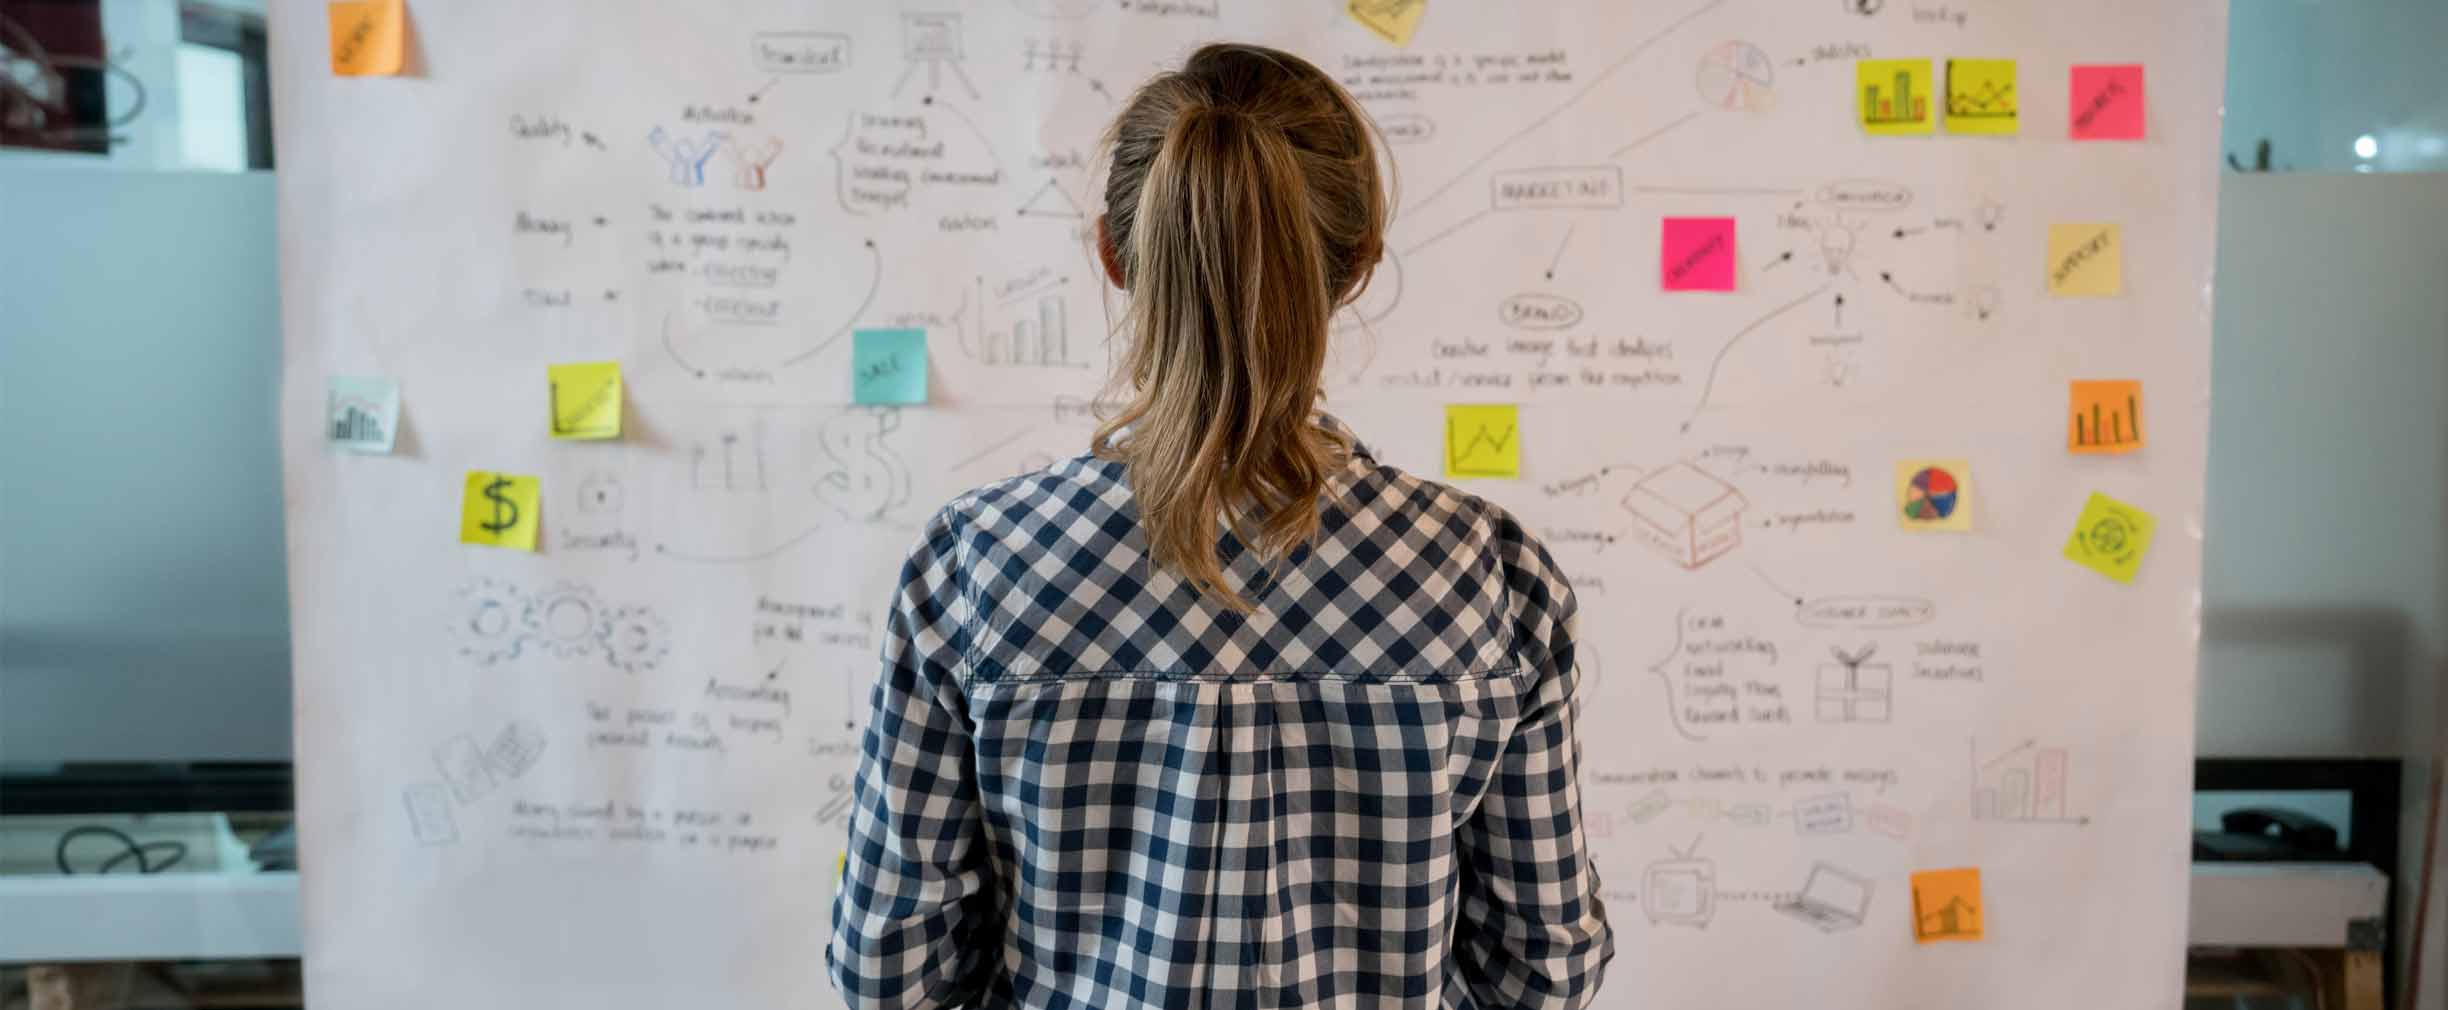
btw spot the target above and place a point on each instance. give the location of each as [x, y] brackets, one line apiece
[156, 917]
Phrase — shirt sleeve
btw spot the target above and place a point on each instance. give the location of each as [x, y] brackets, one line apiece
[1532, 930]
[916, 920]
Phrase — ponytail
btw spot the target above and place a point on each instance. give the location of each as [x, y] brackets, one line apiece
[1244, 210]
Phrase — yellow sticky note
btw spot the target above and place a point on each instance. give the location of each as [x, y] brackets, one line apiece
[841, 866]
[369, 38]
[585, 399]
[1980, 97]
[1946, 905]
[2110, 538]
[2086, 260]
[1894, 96]
[501, 510]
[2105, 416]
[1934, 494]
[1482, 440]
[1394, 20]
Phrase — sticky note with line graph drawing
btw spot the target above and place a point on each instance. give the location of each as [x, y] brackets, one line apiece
[1392, 20]
[1946, 905]
[1980, 97]
[2104, 416]
[1482, 440]
[586, 400]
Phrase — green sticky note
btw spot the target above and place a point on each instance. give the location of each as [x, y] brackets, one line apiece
[888, 366]
[586, 399]
[1482, 440]
[2110, 538]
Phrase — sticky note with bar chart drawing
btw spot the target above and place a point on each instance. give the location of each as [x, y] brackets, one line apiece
[1895, 96]
[2105, 416]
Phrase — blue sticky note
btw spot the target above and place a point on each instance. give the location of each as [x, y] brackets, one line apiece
[888, 366]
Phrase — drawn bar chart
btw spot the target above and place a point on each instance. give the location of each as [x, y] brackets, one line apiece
[2027, 784]
[1902, 107]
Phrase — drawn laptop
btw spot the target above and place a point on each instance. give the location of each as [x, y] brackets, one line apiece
[1831, 899]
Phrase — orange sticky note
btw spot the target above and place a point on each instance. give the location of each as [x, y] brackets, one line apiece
[2105, 103]
[2106, 416]
[1946, 905]
[369, 38]
[1696, 254]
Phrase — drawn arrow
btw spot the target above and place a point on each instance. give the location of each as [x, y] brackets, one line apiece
[1902, 232]
[674, 351]
[760, 92]
[1840, 310]
[600, 221]
[1889, 277]
[1559, 253]
[1779, 261]
[875, 279]
[1780, 590]
[592, 140]
[611, 295]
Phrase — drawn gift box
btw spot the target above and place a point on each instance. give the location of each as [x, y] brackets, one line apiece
[1686, 513]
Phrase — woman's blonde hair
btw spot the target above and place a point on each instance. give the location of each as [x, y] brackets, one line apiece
[1243, 209]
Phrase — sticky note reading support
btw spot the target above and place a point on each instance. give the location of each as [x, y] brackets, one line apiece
[1981, 98]
[2086, 260]
[888, 366]
[1482, 440]
[1697, 254]
[1934, 494]
[1946, 905]
[361, 414]
[2106, 416]
[2105, 103]
[1392, 20]
[2110, 538]
[368, 38]
[1895, 96]
[586, 399]
[500, 510]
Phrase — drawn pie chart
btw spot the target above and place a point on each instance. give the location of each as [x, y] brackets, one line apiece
[1931, 495]
[1737, 76]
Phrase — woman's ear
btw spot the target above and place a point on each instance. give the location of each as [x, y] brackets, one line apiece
[1107, 255]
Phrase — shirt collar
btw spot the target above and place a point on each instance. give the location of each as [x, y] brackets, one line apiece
[1335, 426]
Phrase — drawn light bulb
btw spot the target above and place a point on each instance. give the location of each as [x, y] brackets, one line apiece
[1836, 244]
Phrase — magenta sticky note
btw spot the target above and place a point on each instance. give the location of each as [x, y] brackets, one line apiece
[2106, 103]
[1697, 254]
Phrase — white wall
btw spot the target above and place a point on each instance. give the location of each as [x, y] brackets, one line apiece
[2325, 571]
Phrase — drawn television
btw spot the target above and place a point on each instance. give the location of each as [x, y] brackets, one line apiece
[1681, 892]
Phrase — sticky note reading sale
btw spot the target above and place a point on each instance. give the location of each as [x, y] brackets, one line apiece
[1697, 254]
[1482, 440]
[2106, 416]
[2105, 103]
[2110, 538]
[1894, 96]
[1946, 905]
[368, 38]
[1392, 20]
[888, 366]
[2086, 260]
[1934, 494]
[585, 399]
[1981, 97]
[500, 510]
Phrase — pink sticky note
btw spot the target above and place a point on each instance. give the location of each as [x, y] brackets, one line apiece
[2106, 103]
[1697, 254]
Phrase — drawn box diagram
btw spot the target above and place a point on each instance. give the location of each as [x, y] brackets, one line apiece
[1691, 516]
[1681, 892]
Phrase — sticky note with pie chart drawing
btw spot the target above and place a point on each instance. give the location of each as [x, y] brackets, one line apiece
[1934, 495]
[2110, 538]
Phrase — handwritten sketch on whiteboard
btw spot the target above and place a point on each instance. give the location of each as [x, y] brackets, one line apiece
[1719, 268]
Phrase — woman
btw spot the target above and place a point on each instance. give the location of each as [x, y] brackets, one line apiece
[1225, 713]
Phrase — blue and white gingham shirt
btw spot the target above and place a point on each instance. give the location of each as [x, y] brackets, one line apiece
[1086, 786]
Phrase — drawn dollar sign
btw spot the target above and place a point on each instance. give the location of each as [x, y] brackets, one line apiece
[500, 521]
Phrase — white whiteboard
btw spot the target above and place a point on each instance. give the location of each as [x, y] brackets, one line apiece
[612, 771]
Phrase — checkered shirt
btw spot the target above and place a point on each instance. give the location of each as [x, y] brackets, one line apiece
[1084, 785]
